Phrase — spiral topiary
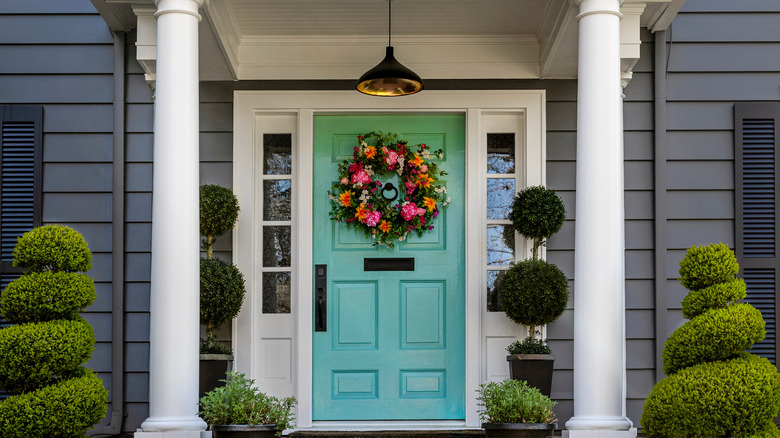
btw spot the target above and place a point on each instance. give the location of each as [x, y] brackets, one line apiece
[713, 387]
[40, 359]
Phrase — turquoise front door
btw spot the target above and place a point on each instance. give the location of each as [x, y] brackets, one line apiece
[394, 344]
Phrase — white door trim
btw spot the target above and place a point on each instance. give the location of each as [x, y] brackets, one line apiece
[251, 106]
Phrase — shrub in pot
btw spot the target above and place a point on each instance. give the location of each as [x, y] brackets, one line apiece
[534, 292]
[512, 408]
[222, 287]
[713, 387]
[239, 409]
[52, 395]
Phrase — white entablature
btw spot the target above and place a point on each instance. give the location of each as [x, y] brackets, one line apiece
[439, 39]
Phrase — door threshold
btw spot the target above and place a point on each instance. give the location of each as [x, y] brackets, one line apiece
[389, 425]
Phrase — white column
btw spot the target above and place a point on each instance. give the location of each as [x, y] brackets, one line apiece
[174, 323]
[599, 276]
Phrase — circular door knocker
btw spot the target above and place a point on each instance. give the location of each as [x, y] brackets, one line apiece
[390, 187]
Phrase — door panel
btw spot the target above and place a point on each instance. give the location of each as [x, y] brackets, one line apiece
[395, 344]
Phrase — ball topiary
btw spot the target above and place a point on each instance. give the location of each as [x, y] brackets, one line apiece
[52, 248]
[715, 335]
[537, 213]
[222, 291]
[533, 292]
[716, 296]
[66, 409]
[704, 266]
[218, 213]
[713, 388]
[43, 296]
[40, 360]
[732, 398]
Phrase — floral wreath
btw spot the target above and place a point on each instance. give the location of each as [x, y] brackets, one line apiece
[362, 201]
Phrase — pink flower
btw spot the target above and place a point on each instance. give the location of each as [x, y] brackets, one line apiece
[423, 168]
[345, 180]
[360, 177]
[392, 158]
[420, 211]
[409, 211]
[372, 218]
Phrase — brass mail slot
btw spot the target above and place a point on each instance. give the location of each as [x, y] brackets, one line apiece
[389, 264]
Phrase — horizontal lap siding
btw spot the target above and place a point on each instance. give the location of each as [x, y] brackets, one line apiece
[60, 55]
[720, 52]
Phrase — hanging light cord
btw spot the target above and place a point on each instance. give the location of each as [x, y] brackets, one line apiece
[389, 20]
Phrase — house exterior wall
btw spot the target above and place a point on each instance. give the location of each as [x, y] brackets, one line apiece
[60, 55]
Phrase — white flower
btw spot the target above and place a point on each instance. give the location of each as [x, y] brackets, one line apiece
[425, 154]
[440, 155]
[369, 170]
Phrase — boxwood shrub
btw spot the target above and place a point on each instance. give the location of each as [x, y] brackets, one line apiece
[66, 409]
[54, 248]
[533, 292]
[43, 296]
[713, 297]
[704, 266]
[37, 354]
[714, 335]
[732, 398]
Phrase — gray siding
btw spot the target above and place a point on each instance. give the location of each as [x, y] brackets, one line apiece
[65, 62]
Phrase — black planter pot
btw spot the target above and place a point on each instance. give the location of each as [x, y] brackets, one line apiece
[242, 431]
[213, 368]
[519, 430]
[536, 369]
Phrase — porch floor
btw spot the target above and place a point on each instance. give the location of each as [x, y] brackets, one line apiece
[389, 434]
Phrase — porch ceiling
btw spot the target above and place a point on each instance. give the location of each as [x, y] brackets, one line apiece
[341, 39]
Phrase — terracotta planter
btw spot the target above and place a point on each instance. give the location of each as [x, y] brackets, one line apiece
[536, 369]
[213, 368]
[519, 430]
[242, 431]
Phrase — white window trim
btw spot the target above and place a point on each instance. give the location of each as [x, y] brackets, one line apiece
[305, 105]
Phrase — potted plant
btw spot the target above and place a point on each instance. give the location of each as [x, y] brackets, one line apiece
[534, 292]
[222, 287]
[512, 408]
[238, 409]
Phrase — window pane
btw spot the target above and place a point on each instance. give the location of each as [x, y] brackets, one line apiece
[277, 154]
[493, 278]
[276, 246]
[276, 200]
[500, 195]
[276, 292]
[500, 245]
[501, 153]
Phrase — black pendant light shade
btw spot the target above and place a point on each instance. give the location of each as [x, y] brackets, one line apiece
[389, 78]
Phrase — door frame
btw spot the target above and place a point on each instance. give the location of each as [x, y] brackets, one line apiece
[296, 109]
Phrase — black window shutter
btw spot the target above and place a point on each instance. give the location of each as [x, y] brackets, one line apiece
[757, 129]
[21, 151]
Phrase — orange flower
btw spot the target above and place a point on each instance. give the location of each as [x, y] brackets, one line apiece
[370, 152]
[361, 211]
[429, 202]
[385, 226]
[417, 161]
[424, 180]
[345, 198]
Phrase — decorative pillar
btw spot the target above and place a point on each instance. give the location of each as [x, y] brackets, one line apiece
[174, 305]
[599, 264]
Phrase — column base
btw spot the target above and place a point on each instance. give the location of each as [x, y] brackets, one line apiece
[175, 434]
[631, 433]
[193, 424]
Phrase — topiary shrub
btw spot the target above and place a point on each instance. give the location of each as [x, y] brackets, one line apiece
[713, 388]
[218, 213]
[43, 296]
[40, 360]
[537, 213]
[534, 292]
[52, 248]
[222, 292]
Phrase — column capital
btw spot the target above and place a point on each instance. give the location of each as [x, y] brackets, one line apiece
[593, 7]
[189, 7]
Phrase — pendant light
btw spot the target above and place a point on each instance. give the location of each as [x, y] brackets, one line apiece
[389, 78]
